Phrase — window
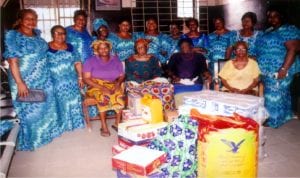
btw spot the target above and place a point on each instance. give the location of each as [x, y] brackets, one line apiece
[53, 12]
[185, 8]
[164, 11]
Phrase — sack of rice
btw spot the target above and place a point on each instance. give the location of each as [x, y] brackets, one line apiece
[227, 146]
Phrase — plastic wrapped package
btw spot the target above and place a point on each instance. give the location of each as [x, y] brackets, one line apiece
[160, 89]
[178, 140]
[225, 104]
[227, 146]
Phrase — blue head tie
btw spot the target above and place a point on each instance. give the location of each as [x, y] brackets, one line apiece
[97, 23]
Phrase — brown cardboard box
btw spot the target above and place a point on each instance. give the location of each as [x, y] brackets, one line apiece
[170, 116]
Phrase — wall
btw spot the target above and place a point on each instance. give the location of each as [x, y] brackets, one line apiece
[110, 16]
[234, 9]
[8, 17]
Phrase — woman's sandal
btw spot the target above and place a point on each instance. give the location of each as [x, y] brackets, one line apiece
[115, 127]
[104, 133]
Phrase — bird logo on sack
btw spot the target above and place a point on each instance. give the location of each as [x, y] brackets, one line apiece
[233, 146]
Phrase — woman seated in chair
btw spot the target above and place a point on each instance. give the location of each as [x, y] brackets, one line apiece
[188, 69]
[241, 74]
[142, 66]
[104, 76]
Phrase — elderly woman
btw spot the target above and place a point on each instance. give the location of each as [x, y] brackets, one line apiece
[66, 72]
[188, 64]
[25, 51]
[247, 34]
[278, 62]
[78, 36]
[240, 75]
[160, 43]
[142, 66]
[200, 40]
[104, 76]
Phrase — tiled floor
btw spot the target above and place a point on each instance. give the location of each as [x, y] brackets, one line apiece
[87, 155]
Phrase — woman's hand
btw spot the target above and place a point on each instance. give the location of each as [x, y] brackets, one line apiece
[117, 87]
[207, 77]
[106, 90]
[282, 73]
[80, 83]
[234, 90]
[22, 89]
[200, 50]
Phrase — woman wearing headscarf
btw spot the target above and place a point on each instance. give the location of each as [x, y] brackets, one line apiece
[141, 66]
[100, 29]
[25, 51]
[144, 68]
[278, 61]
[104, 75]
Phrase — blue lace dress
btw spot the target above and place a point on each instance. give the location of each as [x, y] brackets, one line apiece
[174, 46]
[217, 47]
[198, 42]
[249, 40]
[67, 94]
[123, 48]
[39, 122]
[81, 41]
[160, 45]
[270, 57]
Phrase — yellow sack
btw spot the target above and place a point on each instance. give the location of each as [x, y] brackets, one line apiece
[227, 146]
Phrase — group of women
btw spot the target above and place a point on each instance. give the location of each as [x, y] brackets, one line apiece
[100, 64]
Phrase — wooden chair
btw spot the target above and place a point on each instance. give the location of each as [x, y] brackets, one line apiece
[87, 102]
[217, 81]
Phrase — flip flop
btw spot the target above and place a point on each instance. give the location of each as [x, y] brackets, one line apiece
[104, 133]
[115, 128]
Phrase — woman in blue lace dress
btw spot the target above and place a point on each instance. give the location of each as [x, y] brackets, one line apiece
[122, 42]
[79, 37]
[276, 55]
[66, 72]
[175, 33]
[247, 34]
[219, 40]
[200, 40]
[26, 51]
[160, 43]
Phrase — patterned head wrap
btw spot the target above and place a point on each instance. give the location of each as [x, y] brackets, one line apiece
[95, 45]
[97, 23]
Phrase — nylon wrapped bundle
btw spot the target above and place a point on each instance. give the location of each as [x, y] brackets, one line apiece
[227, 146]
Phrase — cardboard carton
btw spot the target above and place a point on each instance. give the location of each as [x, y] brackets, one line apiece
[138, 160]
